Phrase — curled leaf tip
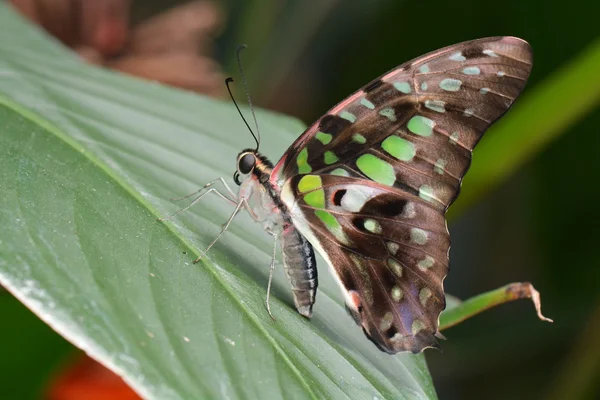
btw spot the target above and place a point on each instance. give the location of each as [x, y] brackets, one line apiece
[525, 290]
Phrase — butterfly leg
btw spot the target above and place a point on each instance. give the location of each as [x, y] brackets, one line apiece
[197, 199]
[209, 184]
[238, 207]
[271, 270]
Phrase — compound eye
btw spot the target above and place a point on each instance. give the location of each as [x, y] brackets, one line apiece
[246, 163]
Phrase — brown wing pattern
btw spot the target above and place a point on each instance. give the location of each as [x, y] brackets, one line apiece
[421, 119]
[388, 248]
[369, 183]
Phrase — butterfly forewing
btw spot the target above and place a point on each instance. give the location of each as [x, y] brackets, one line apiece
[368, 184]
[436, 107]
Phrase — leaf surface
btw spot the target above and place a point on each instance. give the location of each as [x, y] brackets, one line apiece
[87, 159]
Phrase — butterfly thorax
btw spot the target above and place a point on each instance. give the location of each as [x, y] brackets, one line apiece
[262, 196]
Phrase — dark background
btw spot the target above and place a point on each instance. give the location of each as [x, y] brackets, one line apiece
[541, 225]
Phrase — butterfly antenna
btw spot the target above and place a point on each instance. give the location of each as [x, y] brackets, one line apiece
[239, 61]
[227, 82]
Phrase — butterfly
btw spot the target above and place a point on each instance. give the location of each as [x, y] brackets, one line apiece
[369, 183]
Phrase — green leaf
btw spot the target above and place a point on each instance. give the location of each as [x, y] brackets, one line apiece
[87, 159]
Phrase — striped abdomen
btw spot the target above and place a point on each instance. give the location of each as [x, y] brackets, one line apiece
[301, 268]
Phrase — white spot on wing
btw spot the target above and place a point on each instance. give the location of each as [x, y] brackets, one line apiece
[472, 71]
[392, 247]
[458, 56]
[409, 210]
[436, 105]
[386, 321]
[397, 294]
[426, 263]
[454, 138]
[372, 226]
[418, 236]
[356, 197]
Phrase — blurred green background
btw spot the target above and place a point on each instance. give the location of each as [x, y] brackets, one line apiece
[541, 225]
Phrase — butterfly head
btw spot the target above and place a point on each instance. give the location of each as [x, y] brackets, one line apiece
[250, 161]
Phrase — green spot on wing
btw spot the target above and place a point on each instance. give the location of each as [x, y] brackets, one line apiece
[309, 182]
[471, 71]
[436, 105]
[348, 116]
[333, 226]
[302, 162]
[339, 172]
[426, 193]
[403, 87]
[304, 169]
[458, 56]
[440, 166]
[328, 219]
[316, 195]
[399, 148]
[376, 169]
[358, 138]
[315, 199]
[324, 138]
[450, 85]
[367, 103]
[389, 113]
[421, 126]
[330, 158]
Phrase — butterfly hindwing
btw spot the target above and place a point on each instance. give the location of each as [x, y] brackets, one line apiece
[388, 250]
[369, 183]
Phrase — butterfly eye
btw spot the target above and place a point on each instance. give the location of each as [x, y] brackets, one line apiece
[236, 178]
[246, 163]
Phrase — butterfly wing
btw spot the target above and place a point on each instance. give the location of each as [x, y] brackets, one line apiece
[403, 142]
[388, 249]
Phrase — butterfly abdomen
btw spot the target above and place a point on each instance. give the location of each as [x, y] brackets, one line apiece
[301, 268]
